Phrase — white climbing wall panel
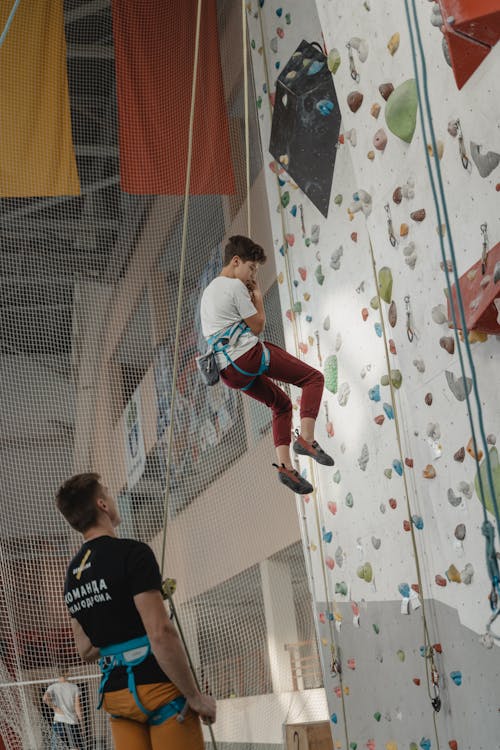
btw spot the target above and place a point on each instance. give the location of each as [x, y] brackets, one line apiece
[393, 533]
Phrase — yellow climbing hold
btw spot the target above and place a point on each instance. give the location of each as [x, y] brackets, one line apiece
[393, 43]
[453, 574]
[391, 746]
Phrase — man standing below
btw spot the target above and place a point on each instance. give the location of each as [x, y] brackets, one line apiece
[113, 594]
[63, 698]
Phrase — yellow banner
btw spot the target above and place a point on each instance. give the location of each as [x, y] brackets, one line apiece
[36, 145]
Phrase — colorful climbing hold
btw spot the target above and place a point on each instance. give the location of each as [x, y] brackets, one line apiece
[401, 110]
[354, 100]
[456, 676]
[333, 60]
[386, 90]
[393, 43]
[331, 373]
[440, 580]
[349, 500]
[429, 472]
[385, 283]
[377, 715]
[329, 562]
[453, 575]
[374, 393]
[397, 466]
[389, 411]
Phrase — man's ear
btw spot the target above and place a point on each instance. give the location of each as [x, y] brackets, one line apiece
[101, 503]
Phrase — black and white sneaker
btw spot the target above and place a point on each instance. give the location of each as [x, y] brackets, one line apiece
[302, 448]
[292, 479]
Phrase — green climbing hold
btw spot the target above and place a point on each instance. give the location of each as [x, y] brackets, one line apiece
[495, 470]
[385, 283]
[376, 628]
[365, 572]
[349, 500]
[341, 588]
[377, 715]
[401, 110]
[353, 746]
[336, 477]
[320, 276]
[413, 746]
[331, 373]
[338, 199]
[374, 303]
[396, 379]
[285, 199]
[297, 307]
[333, 60]
[401, 655]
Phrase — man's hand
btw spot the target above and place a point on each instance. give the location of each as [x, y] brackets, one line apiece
[205, 707]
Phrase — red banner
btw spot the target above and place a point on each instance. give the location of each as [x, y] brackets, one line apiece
[154, 53]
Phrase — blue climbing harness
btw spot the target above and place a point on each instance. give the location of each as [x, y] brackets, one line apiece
[130, 654]
[220, 341]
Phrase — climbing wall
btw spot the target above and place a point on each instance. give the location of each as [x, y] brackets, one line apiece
[393, 533]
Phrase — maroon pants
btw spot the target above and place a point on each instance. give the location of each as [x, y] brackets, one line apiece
[282, 366]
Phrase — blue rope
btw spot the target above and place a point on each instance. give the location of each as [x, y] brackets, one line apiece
[487, 528]
[9, 21]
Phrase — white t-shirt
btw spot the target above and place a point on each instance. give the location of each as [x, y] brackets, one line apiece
[63, 695]
[225, 302]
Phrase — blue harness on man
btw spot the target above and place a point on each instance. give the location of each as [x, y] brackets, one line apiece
[219, 342]
[130, 654]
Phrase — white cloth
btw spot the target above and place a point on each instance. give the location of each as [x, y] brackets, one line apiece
[225, 302]
[63, 695]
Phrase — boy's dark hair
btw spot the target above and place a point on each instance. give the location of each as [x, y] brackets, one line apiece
[76, 499]
[244, 248]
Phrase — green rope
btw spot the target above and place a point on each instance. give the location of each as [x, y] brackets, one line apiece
[487, 528]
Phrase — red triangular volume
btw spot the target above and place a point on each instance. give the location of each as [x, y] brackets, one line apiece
[479, 292]
[465, 53]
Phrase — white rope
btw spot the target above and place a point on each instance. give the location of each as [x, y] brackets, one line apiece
[181, 284]
[247, 118]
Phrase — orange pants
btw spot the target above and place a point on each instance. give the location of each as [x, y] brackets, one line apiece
[131, 731]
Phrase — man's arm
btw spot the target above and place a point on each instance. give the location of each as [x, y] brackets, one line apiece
[78, 708]
[87, 651]
[169, 652]
[47, 699]
[256, 322]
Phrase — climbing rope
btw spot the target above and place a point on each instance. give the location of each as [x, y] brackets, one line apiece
[9, 21]
[430, 669]
[335, 660]
[487, 528]
[175, 366]
[247, 117]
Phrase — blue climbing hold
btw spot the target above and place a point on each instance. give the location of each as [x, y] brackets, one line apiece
[282, 250]
[456, 677]
[404, 590]
[327, 536]
[309, 318]
[281, 182]
[334, 719]
[378, 329]
[293, 210]
[315, 67]
[389, 411]
[397, 466]
[324, 107]
[425, 744]
[374, 393]
[418, 522]
[279, 12]
[295, 283]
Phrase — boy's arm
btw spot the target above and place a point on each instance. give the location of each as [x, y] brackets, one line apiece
[256, 322]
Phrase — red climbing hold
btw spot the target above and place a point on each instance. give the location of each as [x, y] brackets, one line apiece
[379, 420]
[416, 680]
[409, 462]
[437, 648]
[406, 525]
[393, 503]
[416, 588]
[440, 580]
[453, 744]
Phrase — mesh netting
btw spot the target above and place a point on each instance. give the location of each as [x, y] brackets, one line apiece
[88, 305]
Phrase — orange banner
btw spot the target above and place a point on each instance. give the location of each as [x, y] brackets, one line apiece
[36, 146]
[154, 53]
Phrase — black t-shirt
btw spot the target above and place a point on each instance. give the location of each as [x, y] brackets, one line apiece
[99, 590]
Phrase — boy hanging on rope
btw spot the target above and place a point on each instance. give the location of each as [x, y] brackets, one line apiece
[232, 317]
[113, 593]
